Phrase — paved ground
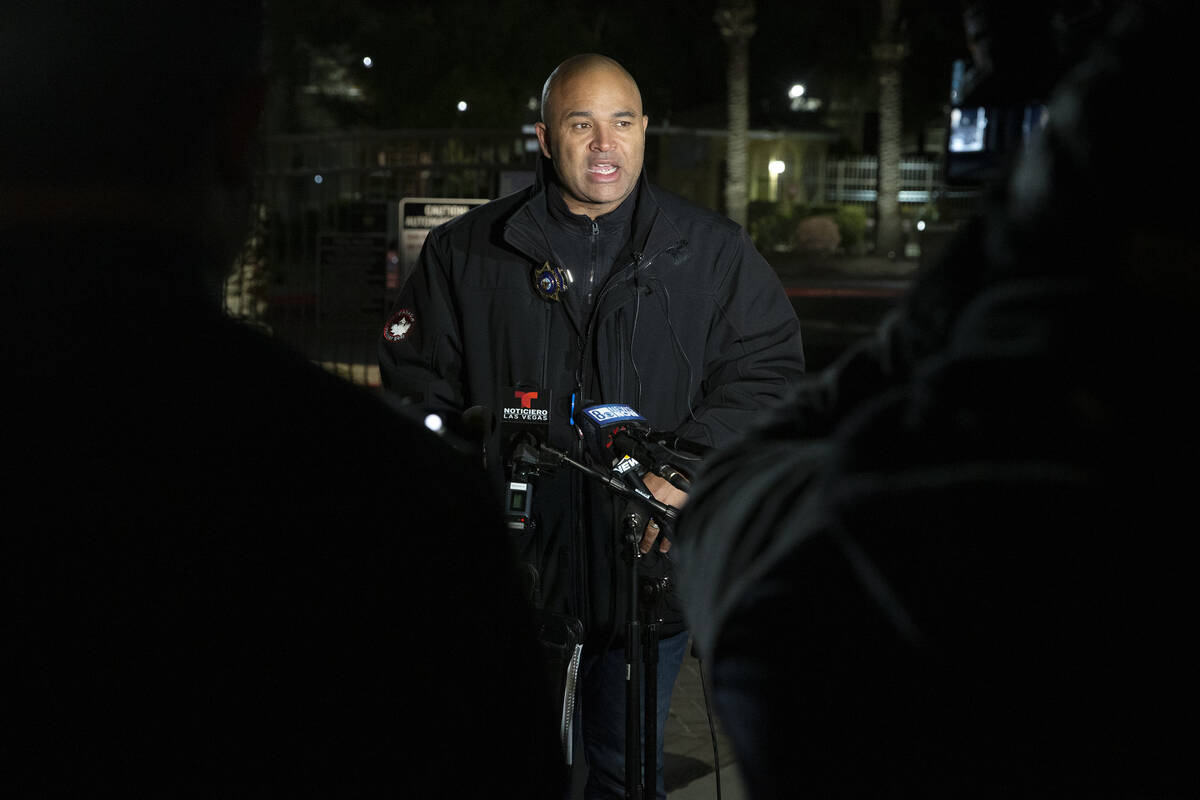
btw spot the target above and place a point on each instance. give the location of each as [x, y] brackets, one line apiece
[794, 268]
[688, 769]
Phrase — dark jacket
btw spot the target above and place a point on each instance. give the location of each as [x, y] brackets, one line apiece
[691, 328]
[208, 594]
[976, 584]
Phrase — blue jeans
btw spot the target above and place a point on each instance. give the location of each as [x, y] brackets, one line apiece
[602, 715]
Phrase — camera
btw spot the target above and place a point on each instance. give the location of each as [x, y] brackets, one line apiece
[985, 133]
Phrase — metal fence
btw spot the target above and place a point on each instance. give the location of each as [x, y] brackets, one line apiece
[853, 181]
[324, 260]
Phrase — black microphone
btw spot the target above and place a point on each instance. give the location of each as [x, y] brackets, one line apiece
[625, 444]
[477, 424]
[524, 427]
[524, 418]
[684, 449]
[479, 421]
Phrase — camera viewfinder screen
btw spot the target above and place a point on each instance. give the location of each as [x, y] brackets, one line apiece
[968, 127]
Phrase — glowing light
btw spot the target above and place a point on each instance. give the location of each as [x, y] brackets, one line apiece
[776, 167]
[920, 224]
[317, 179]
[797, 90]
[368, 62]
[462, 105]
[434, 423]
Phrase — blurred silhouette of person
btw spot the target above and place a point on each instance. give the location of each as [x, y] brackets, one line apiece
[205, 588]
[966, 575]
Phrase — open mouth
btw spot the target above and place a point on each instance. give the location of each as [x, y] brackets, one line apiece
[603, 169]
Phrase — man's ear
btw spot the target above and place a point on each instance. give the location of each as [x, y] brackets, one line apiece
[543, 134]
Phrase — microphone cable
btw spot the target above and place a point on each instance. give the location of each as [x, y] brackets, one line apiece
[666, 300]
[637, 308]
[712, 730]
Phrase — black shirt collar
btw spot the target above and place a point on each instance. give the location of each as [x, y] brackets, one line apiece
[560, 215]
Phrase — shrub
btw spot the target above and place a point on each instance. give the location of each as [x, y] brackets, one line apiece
[818, 234]
[770, 227]
[852, 225]
[777, 228]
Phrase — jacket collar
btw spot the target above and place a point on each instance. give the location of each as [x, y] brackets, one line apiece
[562, 216]
[652, 231]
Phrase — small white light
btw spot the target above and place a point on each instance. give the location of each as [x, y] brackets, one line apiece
[317, 179]
[462, 105]
[368, 62]
[920, 224]
[776, 167]
[532, 104]
[797, 90]
[434, 423]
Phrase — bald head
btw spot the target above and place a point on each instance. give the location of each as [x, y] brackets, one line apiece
[582, 65]
[593, 131]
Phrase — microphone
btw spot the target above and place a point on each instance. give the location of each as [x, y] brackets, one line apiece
[524, 430]
[627, 444]
[477, 424]
[684, 449]
[524, 418]
[601, 423]
[524, 425]
[615, 432]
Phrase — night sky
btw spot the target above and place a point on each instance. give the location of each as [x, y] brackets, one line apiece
[428, 55]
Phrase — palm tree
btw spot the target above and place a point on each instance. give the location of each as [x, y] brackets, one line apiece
[735, 18]
[889, 51]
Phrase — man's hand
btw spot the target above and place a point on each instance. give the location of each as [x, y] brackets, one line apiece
[667, 494]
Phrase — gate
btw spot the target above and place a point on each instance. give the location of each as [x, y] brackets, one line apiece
[324, 261]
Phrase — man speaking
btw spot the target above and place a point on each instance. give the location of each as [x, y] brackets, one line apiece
[594, 286]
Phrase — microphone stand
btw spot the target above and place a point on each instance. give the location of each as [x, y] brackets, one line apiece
[547, 456]
[638, 759]
[648, 687]
[650, 657]
[633, 662]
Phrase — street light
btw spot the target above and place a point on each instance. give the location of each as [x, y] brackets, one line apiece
[776, 168]
[798, 94]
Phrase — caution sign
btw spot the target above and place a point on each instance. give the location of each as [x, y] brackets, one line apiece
[419, 215]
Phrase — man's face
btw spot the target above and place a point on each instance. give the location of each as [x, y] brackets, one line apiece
[595, 134]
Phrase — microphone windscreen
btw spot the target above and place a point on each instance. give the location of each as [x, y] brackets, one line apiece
[601, 422]
[479, 422]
